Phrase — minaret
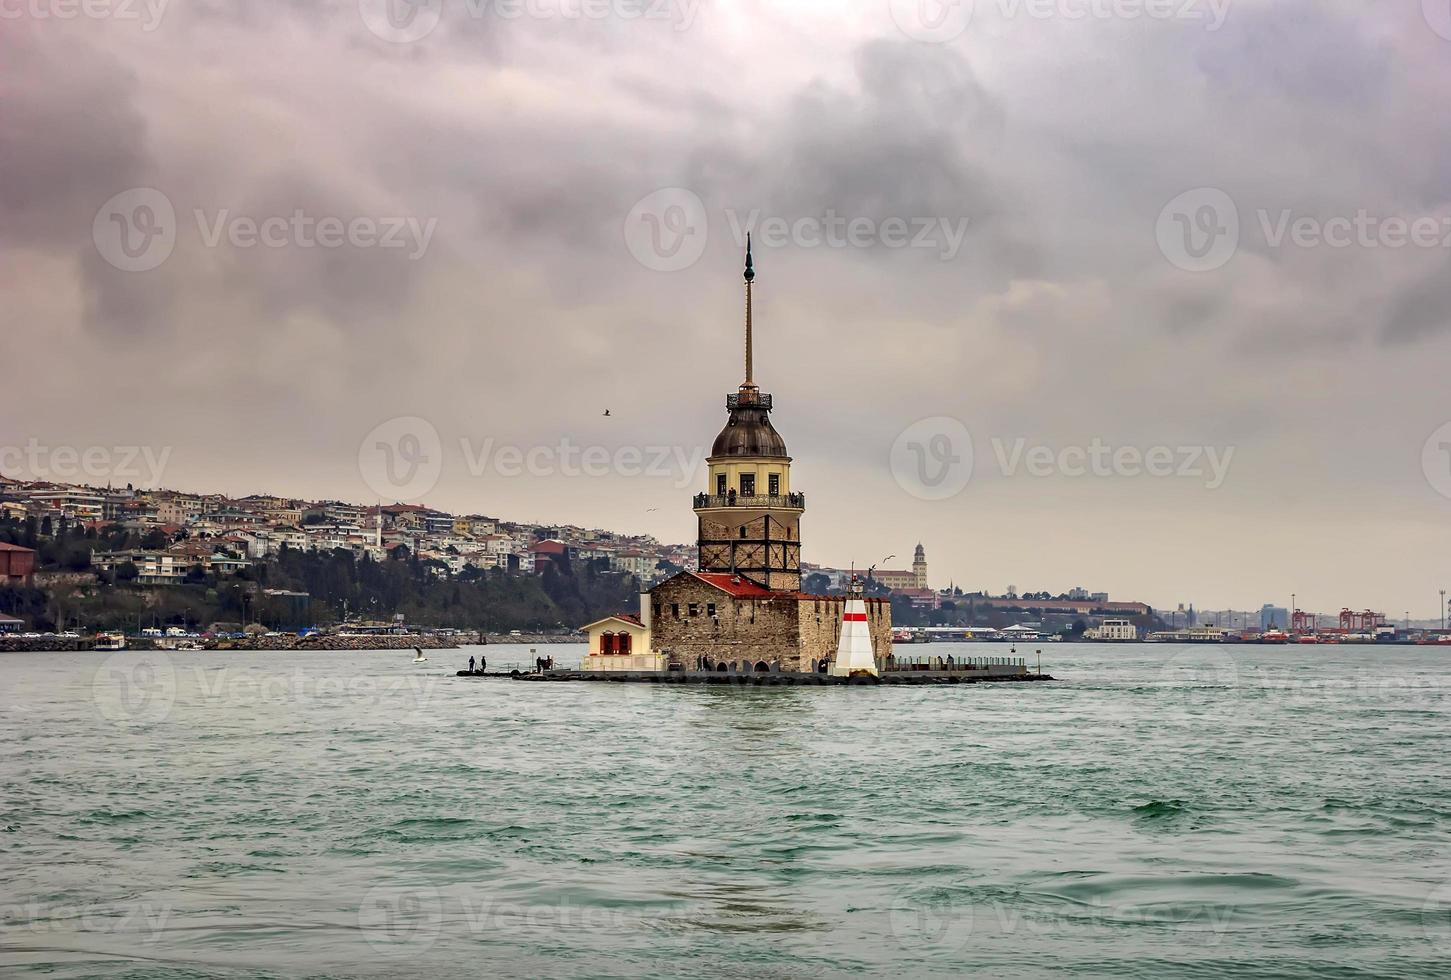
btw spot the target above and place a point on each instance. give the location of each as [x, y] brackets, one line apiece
[750, 520]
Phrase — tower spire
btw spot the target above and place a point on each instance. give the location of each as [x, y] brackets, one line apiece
[750, 278]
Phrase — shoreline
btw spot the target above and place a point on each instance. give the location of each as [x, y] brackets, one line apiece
[285, 642]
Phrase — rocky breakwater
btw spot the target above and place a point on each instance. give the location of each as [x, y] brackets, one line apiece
[535, 638]
[48, 644]
[331, 641]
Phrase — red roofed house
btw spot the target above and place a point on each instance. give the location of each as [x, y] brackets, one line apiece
[17, 564]
[549, 550]
[620, 642]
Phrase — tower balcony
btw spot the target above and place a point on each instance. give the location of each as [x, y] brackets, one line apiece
[754, 399]
[784, 501]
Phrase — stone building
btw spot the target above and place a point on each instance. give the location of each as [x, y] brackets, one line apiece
[724, 622]
[744, 609]
[904, 580]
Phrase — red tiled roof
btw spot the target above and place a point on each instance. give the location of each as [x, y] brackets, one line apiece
[741, 588]
[14, 547]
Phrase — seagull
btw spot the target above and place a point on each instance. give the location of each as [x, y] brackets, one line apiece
[651, 510]
[607, 413]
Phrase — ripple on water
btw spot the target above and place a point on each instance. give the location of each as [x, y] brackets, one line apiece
[1132, 822]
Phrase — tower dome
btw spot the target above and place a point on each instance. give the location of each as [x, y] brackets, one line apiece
[748, 431]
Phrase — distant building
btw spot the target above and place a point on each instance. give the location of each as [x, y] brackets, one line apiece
[17, 565]
[289, 610]
[919, 568]
[1087, 607]
[80, 503]
[1276, 616]
[152, 567]
[900, 580]
[9, 624]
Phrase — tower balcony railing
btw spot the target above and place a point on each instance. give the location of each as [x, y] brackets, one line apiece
[780, 501]
[758, 399]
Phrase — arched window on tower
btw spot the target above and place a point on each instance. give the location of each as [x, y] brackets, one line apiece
[622, 643]
[607, 643]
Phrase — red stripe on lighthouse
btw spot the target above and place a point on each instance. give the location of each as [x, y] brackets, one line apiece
[854, 618]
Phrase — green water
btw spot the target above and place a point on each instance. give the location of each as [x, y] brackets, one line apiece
[1160, 812]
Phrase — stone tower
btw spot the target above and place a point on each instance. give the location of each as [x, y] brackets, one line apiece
[749, 517]
[919, 568]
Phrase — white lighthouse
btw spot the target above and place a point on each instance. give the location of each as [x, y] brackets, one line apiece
[854, 650]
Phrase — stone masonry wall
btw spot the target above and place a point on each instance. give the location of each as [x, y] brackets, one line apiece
[747, 630]
[820, 625]
[789, 632]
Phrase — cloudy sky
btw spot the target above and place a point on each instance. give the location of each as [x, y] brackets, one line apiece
[1153, 304]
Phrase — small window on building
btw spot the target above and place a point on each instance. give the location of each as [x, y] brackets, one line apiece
[743, 530]
[748, 484]
[695, 609]
[773, 484]
[655, 609]
[675, 610]
[720, 484]
[710, 609]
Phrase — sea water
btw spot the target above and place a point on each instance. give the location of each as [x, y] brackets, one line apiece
[1158, 811]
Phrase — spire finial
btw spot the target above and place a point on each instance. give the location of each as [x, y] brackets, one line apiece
[750, 381]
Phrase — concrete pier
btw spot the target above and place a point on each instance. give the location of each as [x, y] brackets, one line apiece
[773, 679]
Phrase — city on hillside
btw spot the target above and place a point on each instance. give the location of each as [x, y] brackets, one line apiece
[84, 557]
[75, 557]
